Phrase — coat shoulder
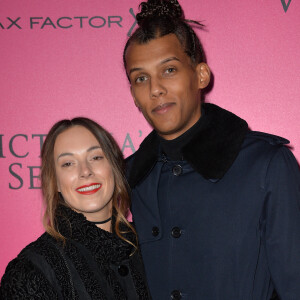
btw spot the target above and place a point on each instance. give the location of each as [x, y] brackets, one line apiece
[129, 162]
[262, 148]
[271, 139]
[130, 159]
[23, 279]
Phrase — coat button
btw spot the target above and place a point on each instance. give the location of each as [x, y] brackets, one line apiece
[177, 170]
[176, 295]
[155, 231]
[123, 270]
[176, 232]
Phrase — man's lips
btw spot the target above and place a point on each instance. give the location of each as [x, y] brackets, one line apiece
[89, 189]
[163, 108]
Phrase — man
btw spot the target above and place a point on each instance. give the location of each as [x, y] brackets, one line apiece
[216, 206]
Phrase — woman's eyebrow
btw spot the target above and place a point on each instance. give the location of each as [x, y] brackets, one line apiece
[93, 148]
[64, 154]
[69, 153]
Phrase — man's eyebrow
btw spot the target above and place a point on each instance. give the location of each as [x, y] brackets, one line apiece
[169, 59]
[71, 154]
[161, 63]
[134, 70]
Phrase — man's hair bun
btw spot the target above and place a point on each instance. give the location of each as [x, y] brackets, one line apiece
[158, 9]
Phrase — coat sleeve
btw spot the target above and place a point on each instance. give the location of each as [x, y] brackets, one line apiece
[22, 280]
[282, 231]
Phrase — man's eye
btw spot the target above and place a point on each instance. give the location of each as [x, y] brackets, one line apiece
[141, 79]
[170, 70]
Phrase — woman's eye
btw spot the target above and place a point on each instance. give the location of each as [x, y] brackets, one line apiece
[97, 157]
[66, 164]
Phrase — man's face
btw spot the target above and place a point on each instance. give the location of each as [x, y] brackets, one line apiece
[166, 85]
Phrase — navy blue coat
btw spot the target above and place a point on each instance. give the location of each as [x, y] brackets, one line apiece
[224, 223]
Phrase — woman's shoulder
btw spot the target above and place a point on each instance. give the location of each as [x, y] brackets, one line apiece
[23, 258]
[24, 276]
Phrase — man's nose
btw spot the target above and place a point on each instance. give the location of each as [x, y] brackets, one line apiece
[157, 88]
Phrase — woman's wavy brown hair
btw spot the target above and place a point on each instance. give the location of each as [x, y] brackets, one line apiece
[52, 198]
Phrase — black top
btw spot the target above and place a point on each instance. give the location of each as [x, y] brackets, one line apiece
[173, 148]
[93, 264]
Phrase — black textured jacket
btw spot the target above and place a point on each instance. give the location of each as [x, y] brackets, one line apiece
[93, 264]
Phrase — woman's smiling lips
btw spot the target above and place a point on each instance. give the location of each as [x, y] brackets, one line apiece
[89, 189]
[163, 108]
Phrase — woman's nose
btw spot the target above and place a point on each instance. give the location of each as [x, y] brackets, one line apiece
[85, 170]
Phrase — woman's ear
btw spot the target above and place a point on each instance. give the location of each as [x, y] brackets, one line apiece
[203, 73]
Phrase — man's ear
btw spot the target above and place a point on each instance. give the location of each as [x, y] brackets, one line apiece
[203, 73]
[134, 99]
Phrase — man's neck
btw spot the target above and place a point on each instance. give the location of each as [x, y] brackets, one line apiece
[172, 148]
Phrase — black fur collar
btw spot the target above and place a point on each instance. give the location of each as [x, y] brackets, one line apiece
[211, 152]
[106, 247]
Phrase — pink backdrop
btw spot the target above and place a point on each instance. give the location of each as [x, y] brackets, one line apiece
[61, 59]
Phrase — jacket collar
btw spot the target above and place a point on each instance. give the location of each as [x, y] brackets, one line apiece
[106, 247]
[211, 151]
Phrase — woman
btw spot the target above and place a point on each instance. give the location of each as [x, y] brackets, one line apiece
[89, 249]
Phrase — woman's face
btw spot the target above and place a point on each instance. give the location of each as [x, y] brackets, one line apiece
[84, 175]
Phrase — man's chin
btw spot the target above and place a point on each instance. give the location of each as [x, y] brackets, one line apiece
[168, 134]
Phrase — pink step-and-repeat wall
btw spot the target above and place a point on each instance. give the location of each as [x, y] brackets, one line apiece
[61, 59]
